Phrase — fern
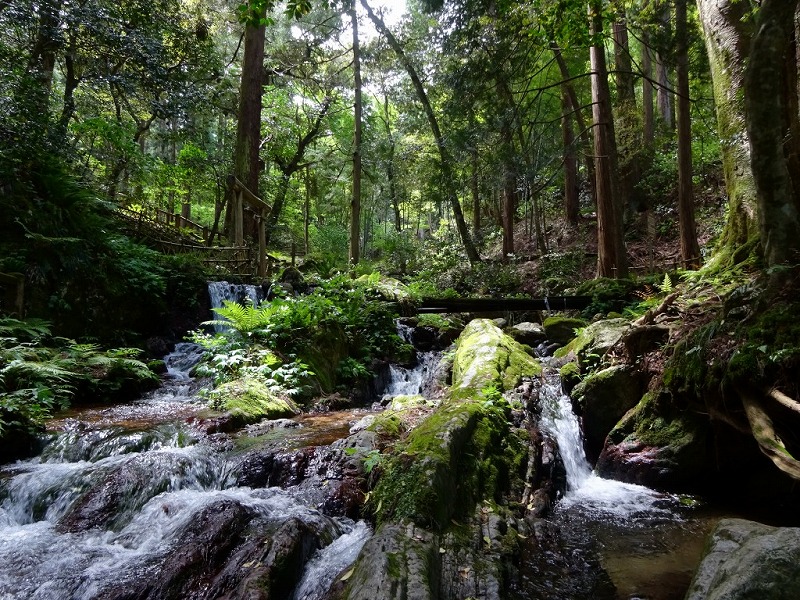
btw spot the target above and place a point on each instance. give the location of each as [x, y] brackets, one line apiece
[666, 285]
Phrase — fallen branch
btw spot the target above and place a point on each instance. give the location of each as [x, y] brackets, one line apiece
[650, 315]
[765, 435]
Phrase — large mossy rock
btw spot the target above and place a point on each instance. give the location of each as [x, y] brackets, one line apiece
[561, 330]
[595, 340]
[748, 561]
[658, 445]
[485, 356]
[603, 398]
[464, 453]
[248, 400]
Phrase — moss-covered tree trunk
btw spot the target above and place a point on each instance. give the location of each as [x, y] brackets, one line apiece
[765, 104]
[727, 35]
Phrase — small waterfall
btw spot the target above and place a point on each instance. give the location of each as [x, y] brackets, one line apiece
[220, 291]
[181, 360]
[328, 563]
[409, 382]
[585, 489]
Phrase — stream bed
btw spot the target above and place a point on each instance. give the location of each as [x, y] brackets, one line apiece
[137, 501]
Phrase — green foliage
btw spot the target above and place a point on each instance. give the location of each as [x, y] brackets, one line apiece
[39, 375]
[559, 272]
[258, 339]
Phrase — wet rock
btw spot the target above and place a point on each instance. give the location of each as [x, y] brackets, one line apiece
[561, 330]
[646, 338]
[657, 445]
[602, 400]
[747, 560]
[398, 562]
[595, 340]
[528, 333]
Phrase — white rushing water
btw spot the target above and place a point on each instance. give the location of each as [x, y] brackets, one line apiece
[327, 564]
[585, 489]
[409, 382]
[120, 490]
[222, 291]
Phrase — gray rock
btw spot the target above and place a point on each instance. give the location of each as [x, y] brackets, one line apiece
[528, 333]
[747, 560]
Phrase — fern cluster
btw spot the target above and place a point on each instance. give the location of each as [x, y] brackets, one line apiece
[40, 374]
[279, 341]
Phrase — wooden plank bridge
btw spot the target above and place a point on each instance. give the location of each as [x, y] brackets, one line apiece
[480, 305]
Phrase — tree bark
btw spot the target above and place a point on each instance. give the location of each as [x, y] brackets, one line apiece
[664, 91]
[248, 128]
[765, 108]
[355, 200]
[446, 161]
[727, 37]
[611, 260]
[690, 249]
[571, 204]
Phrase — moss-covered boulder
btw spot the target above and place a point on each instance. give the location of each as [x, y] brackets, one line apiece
[658, 445]
[466, 449]
[561, 330]
[325, 354]
[746, 560]
[595, 340]
[389, 288]
[485, 356]
[249, 400]
[603, 398]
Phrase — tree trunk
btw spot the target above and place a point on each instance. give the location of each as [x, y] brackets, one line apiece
[571, 203]
[648, 92]
[611, 261]
[690, 249]
[475, 184]
[628, 134]
[355, 200]
[765, 107]
[664, 91]
[446, 161]
[583, 130]
[727, 36]
[248, 128]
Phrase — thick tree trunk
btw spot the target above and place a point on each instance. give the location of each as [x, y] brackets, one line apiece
[248, 128]
[765, 108]
[628, 132]
[690, 249]
[611, 260]
[664, 91]
[648, 93]
[355, 200]
[446, 161]
[727, 36]
[475, 185]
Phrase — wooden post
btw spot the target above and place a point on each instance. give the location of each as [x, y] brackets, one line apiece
[238, 218]
[262, 244]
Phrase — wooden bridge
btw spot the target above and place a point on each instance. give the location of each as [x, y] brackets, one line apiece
[177, 233]
[479, 305]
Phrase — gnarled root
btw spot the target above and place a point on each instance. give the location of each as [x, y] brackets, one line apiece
[764, 433]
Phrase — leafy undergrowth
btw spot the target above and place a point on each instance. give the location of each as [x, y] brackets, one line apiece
[40, 374]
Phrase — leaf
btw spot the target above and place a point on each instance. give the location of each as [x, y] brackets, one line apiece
[348, 574]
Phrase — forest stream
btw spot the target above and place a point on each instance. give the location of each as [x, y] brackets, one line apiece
[141, 501]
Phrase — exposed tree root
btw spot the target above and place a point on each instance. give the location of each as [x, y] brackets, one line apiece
[784, 400]
[650, 315]
[764, 433]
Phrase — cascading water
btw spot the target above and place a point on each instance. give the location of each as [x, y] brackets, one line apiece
[586, 489]
[645, 540]
[221, 291]
[125, 499]
[409, 382]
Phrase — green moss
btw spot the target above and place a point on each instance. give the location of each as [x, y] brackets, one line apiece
[389, 424]
[251, 400]
[655, 422]
[570, 372]
[562, 329]
[485, 357]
